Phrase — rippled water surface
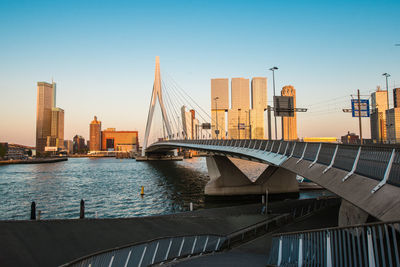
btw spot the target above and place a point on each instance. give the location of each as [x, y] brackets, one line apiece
[109, 186]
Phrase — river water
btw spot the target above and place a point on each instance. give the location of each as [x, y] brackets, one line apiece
[109, 186]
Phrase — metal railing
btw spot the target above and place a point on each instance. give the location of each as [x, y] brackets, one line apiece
[151, 252]
[305, 208]
[361, 245]
[378, 162]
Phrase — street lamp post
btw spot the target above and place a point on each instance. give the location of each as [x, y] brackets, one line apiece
[273, 80]
[239, 123]
[387, 75]
[216, 116]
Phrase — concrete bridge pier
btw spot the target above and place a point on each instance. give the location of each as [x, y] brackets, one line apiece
[351, 215]
[228, 178]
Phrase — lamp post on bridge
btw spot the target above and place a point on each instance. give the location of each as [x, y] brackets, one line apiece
[387, 75]
[249, 126]
[273, 80]
[216, 116]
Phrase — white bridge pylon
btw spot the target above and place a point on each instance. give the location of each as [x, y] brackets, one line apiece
[157, 93]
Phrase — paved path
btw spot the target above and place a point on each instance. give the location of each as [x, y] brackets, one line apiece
[54, 242]
[255, 252]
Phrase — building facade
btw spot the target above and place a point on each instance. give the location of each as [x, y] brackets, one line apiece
[191, 126]
[396, 97]
[289, 124]
[393, 128]
[239, 114]
[45, 102]
[95, 135]
[246, 117]
[259, 104]
[125, 141]
[49, 119]
[79, 146]
[219, 105]
[56, 138]
[378, 116]
[350, 138]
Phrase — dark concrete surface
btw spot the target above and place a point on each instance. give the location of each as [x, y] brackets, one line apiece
[383, 204]
[55, 242]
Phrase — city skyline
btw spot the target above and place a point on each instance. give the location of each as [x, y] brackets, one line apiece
[103, 61]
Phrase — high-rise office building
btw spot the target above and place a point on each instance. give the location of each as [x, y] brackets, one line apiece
[219, 105]
[190, 124]
[79, 144]
[378, 115]
[56, 138]
[240, 93]
[95, 135]
[396, 97]
[259, 105]
[393, 128]
[46, 94]
[289, 124]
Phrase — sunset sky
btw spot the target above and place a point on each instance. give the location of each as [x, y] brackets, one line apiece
[102, 54]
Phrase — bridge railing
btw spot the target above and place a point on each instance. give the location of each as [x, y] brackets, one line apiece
[362, 245]
[381, 163]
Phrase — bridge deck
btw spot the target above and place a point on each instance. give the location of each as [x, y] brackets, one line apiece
[366, 176]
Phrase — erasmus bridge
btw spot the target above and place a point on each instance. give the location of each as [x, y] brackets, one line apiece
[365, 177]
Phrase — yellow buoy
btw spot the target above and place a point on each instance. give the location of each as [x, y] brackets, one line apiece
[142, 191]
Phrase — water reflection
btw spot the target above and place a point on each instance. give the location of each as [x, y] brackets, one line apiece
[109, 186]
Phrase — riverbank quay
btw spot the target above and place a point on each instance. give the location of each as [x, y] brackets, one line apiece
[33, 161]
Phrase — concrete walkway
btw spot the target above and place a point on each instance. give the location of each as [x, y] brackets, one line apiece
[55, 242]
[255, 252]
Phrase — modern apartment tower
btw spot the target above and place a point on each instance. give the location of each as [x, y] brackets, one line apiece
[289, 124]
[219, 104]
[46, 98]
[378, 115]
[259, 104]
[95, 135]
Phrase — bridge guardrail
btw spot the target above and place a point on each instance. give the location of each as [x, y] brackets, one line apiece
[298, 150]
[381, 163]
[311, 151]
[345, 157]
[326, 153]
[373, 163]
[361, 245]
[394, 177]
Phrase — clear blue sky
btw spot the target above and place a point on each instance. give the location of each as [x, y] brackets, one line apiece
[101, 54]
